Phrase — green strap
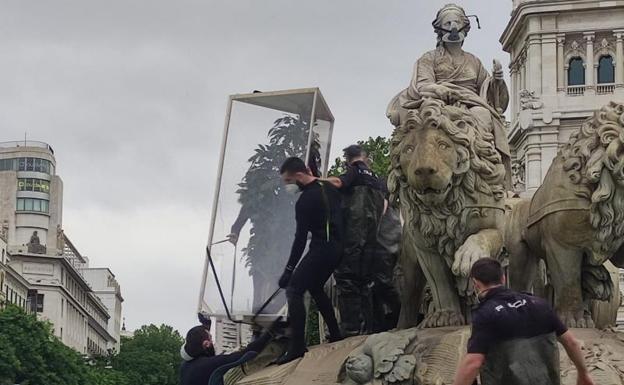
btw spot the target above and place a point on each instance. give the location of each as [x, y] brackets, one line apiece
[327, 209]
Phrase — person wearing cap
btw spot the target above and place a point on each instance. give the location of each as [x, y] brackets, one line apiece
[514, 336]
[200, 362]
[363, 207]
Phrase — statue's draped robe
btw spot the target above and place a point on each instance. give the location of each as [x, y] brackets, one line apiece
[471, 81]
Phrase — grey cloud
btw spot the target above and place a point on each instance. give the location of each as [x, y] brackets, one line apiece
[132, 96]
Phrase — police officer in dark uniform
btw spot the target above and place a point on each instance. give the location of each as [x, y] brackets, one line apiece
[363, 202]
[386, 303]
[514, 336]
[317, 212]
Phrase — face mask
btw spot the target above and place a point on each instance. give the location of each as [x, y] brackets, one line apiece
[292, 188]
[478, 295]
[454, 35]
[210, 351]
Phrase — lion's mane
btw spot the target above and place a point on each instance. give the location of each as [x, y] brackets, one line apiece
[593, 159]
[444, 227]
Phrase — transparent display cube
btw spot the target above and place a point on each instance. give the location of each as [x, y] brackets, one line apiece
[251, 207]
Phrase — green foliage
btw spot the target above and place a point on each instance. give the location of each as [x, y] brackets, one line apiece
[31, 355]
[378, 150]
[312, 325]
[151, 357]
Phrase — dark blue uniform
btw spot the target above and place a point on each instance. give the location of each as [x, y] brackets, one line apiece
[199, 370]
[516, 332]
[505, 315]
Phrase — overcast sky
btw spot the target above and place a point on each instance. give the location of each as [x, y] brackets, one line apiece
[132, 96]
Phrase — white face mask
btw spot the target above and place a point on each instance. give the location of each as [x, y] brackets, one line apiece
[292, 188]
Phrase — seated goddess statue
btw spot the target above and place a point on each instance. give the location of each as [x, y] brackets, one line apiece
[455, 76]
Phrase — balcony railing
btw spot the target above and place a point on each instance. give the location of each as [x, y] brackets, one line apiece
[602, 89]
[26, 143]
[576, 90]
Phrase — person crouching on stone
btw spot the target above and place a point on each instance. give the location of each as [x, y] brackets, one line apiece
[513, 336]
[317, 211]
[201, 364]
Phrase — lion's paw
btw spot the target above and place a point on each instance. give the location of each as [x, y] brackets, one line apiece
[442, 318]
[473, 249]
[577, 319]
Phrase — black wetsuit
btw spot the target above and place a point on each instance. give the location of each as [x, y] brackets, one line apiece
[199, 370]
[317, 212]
[516, 332]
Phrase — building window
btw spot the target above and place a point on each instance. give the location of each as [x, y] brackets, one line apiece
[39, 307]
[576, 72]
[33, 204]
[606, 71]
[36, 185]
[27, 164]
[34, 164]
[8, 164]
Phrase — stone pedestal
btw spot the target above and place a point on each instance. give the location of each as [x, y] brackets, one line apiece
[433, 356]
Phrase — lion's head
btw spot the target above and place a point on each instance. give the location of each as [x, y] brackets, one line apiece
[443, 162]
[594, 160]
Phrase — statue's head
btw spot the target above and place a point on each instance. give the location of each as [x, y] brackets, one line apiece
[430, 159]
[441, 153]
[451, 24]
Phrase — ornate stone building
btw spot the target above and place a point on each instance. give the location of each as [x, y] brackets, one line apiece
[40, 269]
[567, 59]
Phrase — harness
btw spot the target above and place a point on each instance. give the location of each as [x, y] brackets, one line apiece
[327, 208]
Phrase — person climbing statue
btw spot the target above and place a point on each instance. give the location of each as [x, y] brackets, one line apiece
[318, 212]
[514, 336]
[363, 207]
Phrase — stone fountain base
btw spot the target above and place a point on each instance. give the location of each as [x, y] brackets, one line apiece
[413, 356]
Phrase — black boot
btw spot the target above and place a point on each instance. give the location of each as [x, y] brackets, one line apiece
[297, 316]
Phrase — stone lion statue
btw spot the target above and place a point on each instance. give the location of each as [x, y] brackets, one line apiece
[575, 220]
[448, 179]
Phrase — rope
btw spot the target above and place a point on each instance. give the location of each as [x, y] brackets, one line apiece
[223, 300]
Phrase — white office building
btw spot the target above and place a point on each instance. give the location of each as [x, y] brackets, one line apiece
[41, 257]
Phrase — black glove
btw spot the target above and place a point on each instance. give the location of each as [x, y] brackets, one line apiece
[285, 278]
[204, 319]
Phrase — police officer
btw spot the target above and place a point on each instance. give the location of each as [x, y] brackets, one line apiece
[386, 303]
[363, 207]
[318, 212]
[513, 336]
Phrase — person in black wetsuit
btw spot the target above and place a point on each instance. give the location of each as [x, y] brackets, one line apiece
[201, 362]
[364, 204]
[513, 336]
[317, 211]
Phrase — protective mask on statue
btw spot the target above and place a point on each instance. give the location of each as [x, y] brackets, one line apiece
[292, 188]
[454, 35]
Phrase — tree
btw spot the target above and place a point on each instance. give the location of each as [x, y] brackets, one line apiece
[30, 353]
[151, 357]
[378, 150]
